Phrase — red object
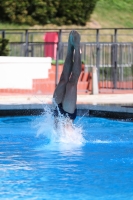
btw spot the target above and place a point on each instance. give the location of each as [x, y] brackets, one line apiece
[50, 48]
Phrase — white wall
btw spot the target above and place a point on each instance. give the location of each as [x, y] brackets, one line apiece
[18, 72]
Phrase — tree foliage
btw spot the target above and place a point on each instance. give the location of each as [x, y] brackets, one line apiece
[46, 11]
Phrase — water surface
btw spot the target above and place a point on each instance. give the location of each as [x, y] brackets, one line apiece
[94, 161]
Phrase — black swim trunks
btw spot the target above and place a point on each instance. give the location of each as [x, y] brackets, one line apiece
[72, 116]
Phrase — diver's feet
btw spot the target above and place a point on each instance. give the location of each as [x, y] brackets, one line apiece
[70, 43]
[75, 40]
[76, 70]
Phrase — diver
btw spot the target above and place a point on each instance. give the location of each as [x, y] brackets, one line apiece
[65, 94]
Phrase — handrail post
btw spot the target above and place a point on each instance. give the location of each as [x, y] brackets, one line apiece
[26, 42]
[95, 69]
[97, 52]
[57, 57]
[3, 34]
[115, 35]
[115, 60]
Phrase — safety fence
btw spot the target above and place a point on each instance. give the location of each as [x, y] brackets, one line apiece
[107, 49]
[114, 62]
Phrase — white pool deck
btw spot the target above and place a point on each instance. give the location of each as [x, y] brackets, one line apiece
[101, 102]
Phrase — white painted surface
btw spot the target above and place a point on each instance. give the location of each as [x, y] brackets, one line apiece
[18, 72]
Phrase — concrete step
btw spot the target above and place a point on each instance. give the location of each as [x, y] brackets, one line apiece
[16, 91]
[82, 86]
[43, 86]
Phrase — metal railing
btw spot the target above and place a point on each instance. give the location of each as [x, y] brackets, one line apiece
[107, 49]
[114, 62]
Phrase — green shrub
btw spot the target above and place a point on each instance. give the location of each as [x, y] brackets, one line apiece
[4, 51]
[74, 12]
[14, 11]
[60, 62]
[46, 11]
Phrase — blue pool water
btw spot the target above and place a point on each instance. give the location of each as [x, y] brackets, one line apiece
[94, 161]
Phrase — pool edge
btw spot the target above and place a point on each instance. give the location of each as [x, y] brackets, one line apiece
[99, 110]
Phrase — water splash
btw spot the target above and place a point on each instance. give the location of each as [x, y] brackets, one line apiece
[60, 132]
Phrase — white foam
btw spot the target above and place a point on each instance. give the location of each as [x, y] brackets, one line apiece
[102, 141]
[65, 134]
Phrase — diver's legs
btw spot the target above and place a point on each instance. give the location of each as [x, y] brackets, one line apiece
[67, 68]
[70, 98]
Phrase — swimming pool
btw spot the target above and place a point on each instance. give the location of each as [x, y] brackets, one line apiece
[36, 163]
